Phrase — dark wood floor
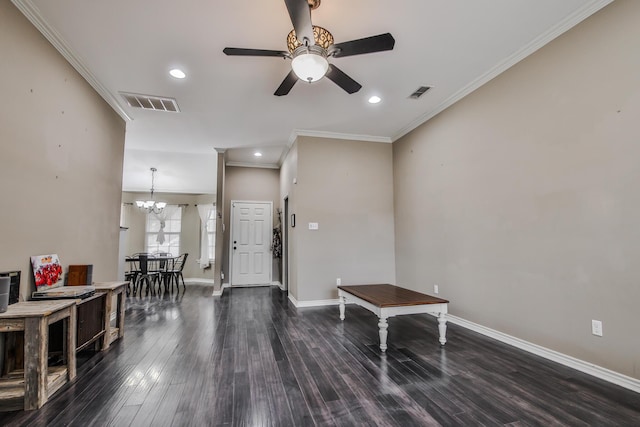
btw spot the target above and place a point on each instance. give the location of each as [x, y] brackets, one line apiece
[250, 358]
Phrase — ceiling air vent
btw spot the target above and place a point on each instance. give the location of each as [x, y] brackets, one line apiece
[419, 92]
[150, 102]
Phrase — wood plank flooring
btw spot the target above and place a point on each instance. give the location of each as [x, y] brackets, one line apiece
[250, 358]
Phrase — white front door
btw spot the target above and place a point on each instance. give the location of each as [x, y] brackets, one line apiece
[251, 243]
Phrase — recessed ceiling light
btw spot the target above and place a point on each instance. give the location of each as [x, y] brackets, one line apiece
[177, 73]
[257, 154]
[374, 99]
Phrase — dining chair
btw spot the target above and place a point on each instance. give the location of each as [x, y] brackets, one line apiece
[163, 262]
[174, 273]
[133, 271]
[131, 275]
[149, 273]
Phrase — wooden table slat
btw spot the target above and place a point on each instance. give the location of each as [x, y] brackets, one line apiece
[35, 308]
[108, 286]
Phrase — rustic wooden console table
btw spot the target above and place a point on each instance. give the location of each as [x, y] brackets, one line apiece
[389, 300]
[30, 387]
[117, 290]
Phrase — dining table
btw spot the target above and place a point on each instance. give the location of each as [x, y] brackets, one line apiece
[152, 269]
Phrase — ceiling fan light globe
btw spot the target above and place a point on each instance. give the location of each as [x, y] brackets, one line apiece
[310, 67]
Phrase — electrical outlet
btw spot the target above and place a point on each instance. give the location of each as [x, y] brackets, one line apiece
[596, 328]
[338, 281]
[436, 289]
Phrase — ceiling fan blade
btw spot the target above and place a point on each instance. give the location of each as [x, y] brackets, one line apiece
[371, 44]
[336, 75]
[286, 84]
[235, 51]
[300, 14]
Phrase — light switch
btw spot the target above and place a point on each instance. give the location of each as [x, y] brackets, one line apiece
[313, 226]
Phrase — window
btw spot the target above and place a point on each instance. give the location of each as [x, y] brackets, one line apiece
[172, 228]
[211, 231]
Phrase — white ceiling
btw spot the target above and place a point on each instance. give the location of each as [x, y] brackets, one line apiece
[228, 102]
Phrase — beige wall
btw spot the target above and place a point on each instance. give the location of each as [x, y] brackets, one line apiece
[252, 184]
[347, 188]
[189, 236]
[521, 201]
[61, 161]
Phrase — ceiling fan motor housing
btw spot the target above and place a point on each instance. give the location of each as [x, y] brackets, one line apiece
[322, 37]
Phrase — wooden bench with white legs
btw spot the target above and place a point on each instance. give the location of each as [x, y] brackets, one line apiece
[388, 300]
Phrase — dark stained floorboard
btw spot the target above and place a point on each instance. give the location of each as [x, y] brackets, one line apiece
[250, 358]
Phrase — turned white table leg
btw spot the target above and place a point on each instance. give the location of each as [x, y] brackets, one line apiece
[341, 307]
[442, 327]
[383, 325]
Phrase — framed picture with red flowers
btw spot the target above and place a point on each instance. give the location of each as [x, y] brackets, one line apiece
[47, 271]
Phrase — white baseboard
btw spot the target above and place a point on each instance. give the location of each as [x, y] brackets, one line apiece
[570, 361]
[293, 300]
[580, 365]
[313, 303]
[219, 293]
[278, 284]
[194, 280]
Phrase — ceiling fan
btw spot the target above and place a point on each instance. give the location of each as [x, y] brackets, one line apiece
[309, 47]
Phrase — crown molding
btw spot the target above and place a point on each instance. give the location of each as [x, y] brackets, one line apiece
[31, 12]
[331, 135]
[571, 21]
[284, 154]
[336, 135]
[253, 165]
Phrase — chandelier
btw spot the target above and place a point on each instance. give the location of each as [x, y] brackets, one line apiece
[151, 205]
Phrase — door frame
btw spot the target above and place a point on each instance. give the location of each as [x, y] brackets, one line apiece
[285, 245]
[232, 220]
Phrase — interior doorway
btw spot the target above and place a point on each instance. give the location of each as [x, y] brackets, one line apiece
[251, 257]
